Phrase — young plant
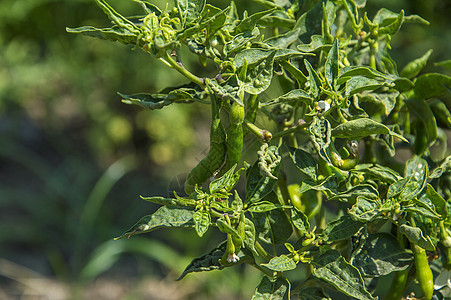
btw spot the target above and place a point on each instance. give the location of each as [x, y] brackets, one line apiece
[342, 114]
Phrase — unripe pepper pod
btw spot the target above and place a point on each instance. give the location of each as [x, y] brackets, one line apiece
[423, 271]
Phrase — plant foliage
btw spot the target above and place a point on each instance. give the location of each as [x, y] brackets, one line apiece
[343, 112]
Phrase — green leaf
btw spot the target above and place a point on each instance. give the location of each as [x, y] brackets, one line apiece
[403, 84]
[341, 229]
[272, 290]
[396, 188]
[223, 182]
[329, 15]
[381, 255]
[237, 203]
[284, 40]
[116, 18]
[414, 67]
[387, 100]
[202, 221]
[445, 63]
[313, 293]
[295, 96]
[228, 92]
[317, 44]
[320, 134]
[281, 263]
[416, 19]
[422, 209]
[378, 172]
[365, 71]
[259, 75]
[438, 201]
[415, 235]
[365, 210]
[155, 101]
[206, 262]
[314, 80]
[441, 113]
[249, 235]
[421, 110]
[300, 220]
[210, 24]
[442, 169]
[164, 217]
[180, 202]
[257, 186]
[255, 56]
[240, 41]
[310, 23]
[392, 27]
[335, 270]
[417, 171]
[328, 186]
[225, 227]
[269, 160]
[149, 7]
[114, 34]
[295, 72]
[360, 128]
[189, 10]
[432, 85]
[264, 206]
[305, 162]
[351, 194]
[358, 84]
[331, 67]
[272, 227]
[418, 167]
[249, 23]
[278, 18]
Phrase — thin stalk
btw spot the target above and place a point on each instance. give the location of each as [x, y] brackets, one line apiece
[282, 184]
[321, 216]
[290, 130]
[181, 69]
[262, 251]
[263, 270]
[262, 134]
[373, 48]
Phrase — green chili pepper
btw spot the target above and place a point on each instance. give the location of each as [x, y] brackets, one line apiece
[229, 255]
[238, 241]
[348, 163]
[208, 166]
[234, 136]
[251, 108]
[423, 271]
[398, 285]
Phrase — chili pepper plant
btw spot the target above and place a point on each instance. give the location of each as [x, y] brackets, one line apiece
[343, 112]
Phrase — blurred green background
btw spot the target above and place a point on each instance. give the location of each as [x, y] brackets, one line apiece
[74, 159]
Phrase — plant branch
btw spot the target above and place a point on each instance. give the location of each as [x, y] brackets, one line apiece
[264, 135]
[301, 125]
[181, 69]
[262, 251]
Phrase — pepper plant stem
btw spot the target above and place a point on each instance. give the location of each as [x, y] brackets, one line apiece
[179, 67]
